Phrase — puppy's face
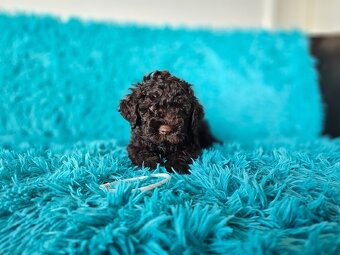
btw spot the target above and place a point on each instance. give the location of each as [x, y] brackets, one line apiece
[163, 108]
[165, 120]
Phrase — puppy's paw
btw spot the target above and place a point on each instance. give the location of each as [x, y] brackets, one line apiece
[151, 162]
[179, 167]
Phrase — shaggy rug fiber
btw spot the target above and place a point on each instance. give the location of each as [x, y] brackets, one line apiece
[62, 82]
[61, 137]
[274, 198]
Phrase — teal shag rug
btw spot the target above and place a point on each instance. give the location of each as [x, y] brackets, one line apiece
[272, 188]
[62, 82]
[273, 198]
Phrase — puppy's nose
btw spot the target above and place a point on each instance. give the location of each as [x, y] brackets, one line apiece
[164, 129]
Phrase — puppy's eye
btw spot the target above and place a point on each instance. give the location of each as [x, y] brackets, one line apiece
[143, 109]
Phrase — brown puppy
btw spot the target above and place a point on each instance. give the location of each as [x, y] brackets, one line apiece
[166, 122]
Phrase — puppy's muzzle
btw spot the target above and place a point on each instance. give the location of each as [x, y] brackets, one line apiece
[165, 129]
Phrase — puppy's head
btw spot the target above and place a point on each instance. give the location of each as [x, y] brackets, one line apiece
[163, 108]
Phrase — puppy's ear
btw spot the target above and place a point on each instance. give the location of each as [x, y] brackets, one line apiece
[197, 115]
[128, 108]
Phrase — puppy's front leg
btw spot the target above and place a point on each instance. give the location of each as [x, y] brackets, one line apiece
[180, 161]
[140, 155]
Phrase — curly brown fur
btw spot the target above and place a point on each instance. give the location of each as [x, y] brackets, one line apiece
[166, 122]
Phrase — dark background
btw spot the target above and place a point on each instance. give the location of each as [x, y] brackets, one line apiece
[326, 50]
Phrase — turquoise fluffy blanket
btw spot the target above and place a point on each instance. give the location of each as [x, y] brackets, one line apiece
[272, 188]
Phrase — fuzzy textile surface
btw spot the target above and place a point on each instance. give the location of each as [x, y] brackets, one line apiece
[61, 137]
[62, 82]
[274, 198]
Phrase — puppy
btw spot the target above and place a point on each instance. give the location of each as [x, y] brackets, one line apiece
[166, 123]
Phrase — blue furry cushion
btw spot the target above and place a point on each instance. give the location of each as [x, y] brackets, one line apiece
[274, 198]
[61, 82]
